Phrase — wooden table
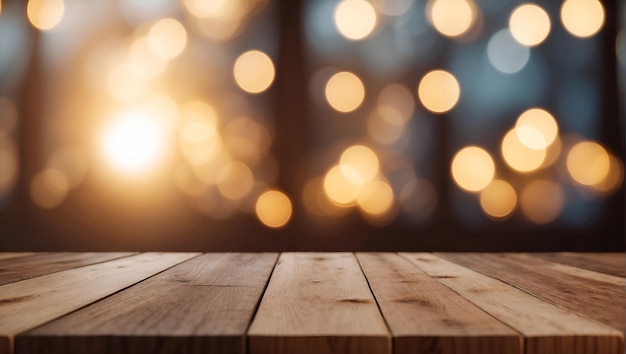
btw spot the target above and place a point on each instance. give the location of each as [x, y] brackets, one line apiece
[312, 303]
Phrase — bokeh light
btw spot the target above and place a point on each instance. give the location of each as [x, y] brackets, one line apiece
[254, 71]
[384, 131]
[341, 190]
[472, 168]
[588, 163]
[498, 199]
[215, 9]
[167, 38]
[45, 14]
[505, 53]
[529, 24]
[246, 139]
[235, 180]
[316, 201]
[125, 82]
[72, 162]
[613, 179]
[355, 19]
[199, 139]
[359, 164]
[536, 129]
[273, 208]
[395, 104]
[582, 18]
[439, 91]
[452, 18]
[518, 156]
[133, 142]
[375, 198]
[542, 201]
[49, 188]
[344, 92]
[393, 7]
[144, 60]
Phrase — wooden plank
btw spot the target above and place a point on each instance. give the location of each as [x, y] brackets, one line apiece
[32, 302]
[7, 255]
[201, 306]
[427, 317]
[547, 329]
[608, 263]
[595, 295]
[16, 269]
[318, 303]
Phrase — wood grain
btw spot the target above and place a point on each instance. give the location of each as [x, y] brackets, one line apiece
[318, 303]
[201, 306]
[547, 329]
[608, 263]
[16, 269]
[32, 302]
[427, 317]
[7, 255]
[595, 295]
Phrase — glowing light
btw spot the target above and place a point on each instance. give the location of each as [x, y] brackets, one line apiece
[355, 19]
[552, 153]
[359, 164]
[45, 14]
[133, 142]
[254, 71]
[393, 7]
[375, 198]
[518, 156]
[340, 189]
[125, 82]
[144, 60]
[506, 54]
[167, 38]
[273, 208]
[536, 129]
[199, 139]
[452, 18]
[235, 180]
[382, 131]
[246, 138]
[316, 201]
[345, 91]
[529, 24]
[72, 162]
[588, 163]
[614, 178]
[49, 188]
[439, 91]
[472, 168]
[542, 201]
[498, 200]
[395, 104]
[582, 18]
[216, 9]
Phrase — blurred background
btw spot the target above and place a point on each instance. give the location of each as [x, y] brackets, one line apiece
[254, 125]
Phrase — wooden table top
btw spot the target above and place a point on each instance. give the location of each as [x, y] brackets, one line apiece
[312, 303]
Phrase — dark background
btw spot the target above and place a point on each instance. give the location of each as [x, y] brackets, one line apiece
[119, 224]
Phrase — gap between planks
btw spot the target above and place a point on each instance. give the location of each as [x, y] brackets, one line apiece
[32, 302]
